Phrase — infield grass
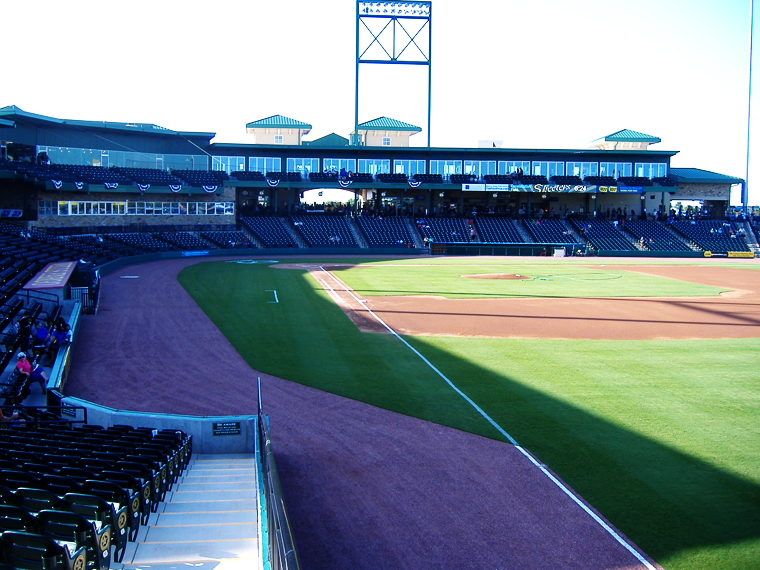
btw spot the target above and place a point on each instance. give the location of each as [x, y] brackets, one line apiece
[662, 437]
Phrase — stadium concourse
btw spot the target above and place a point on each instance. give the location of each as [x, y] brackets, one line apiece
[393, 511]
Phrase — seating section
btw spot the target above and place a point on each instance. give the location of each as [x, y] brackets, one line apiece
[462, 178]
[498, 230]
[548, 231]
[269, 230]
[323, 176]
[601, 180]
[602, 235]
[81, 493]
[634, 181]
[228, 240]
[324, 230]
[185, 241]
[654, 236]
[288, 176]
[428, 178]
[712, 235]
[500, 178]
[200, 178]
[384, 232]
[151, 176]
[145, 242]
[245, 176]
[396, 178]
[444, 230]
[567, 180]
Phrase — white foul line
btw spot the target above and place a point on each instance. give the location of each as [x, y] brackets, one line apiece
[275, 295]
[512, 440]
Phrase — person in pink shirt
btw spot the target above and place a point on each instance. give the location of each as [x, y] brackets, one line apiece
[23, 365]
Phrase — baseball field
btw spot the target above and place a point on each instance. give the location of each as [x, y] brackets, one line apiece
[636, 382]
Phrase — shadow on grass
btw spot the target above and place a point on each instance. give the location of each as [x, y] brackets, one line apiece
[666, 501]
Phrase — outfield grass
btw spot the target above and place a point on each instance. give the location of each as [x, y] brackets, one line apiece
[660, 436]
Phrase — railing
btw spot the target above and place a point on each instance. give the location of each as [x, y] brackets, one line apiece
[282, 551]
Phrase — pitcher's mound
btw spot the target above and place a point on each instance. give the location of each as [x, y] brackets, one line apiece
[497, 276]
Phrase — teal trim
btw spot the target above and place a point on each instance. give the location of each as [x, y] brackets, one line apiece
[263, 519]
[278, 122]
[387, 124]
[627, 135]
[699, 176]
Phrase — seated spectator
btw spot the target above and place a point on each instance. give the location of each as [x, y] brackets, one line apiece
[4, 418]
[38, 375]
[23, 366]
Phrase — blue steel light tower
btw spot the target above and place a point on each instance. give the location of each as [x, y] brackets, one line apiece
[398, 41]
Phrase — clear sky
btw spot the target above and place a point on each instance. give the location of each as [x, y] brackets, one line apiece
[538, 74]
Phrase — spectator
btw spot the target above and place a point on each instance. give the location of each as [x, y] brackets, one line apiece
[38, 375]
[4, 418]
[23, 366]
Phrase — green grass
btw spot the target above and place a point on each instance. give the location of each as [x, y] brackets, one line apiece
[661, 436]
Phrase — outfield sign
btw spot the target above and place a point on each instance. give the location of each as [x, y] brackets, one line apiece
[622, 189]
[553, 188]
[194, 253]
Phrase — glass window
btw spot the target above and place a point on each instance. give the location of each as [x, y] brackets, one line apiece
[651, 169]
[548, 169]
[582, 169]
[277, 139]
[386, 141]
[228, 164]
[264, 164]
[374, 166]
[192, 208]
[336, 164]
[303, 165]
[479, 167]
[615, 169]
[508, 166]
[445, 167]
[409, 167]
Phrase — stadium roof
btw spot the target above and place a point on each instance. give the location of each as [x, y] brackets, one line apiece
[699, 176]
[386, 124]
[21, 116]
[279, 122]
[627, 135]
[328, 140]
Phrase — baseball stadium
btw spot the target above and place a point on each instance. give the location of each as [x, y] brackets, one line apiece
[472, 358]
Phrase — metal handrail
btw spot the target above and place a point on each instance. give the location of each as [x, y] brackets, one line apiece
[282, 551]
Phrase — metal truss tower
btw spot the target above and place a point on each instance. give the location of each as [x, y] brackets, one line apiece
[396, 33]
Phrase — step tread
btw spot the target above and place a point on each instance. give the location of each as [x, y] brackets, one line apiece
[201, 533]
[195, 551]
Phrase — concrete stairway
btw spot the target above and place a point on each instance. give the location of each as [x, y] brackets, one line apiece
[209, 520]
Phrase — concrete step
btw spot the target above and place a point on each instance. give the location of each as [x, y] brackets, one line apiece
[210, 517]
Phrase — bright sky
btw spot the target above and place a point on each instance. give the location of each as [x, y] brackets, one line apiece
[538, 74]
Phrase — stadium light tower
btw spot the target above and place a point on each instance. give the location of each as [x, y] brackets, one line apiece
[396, 34]
[745, 190]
